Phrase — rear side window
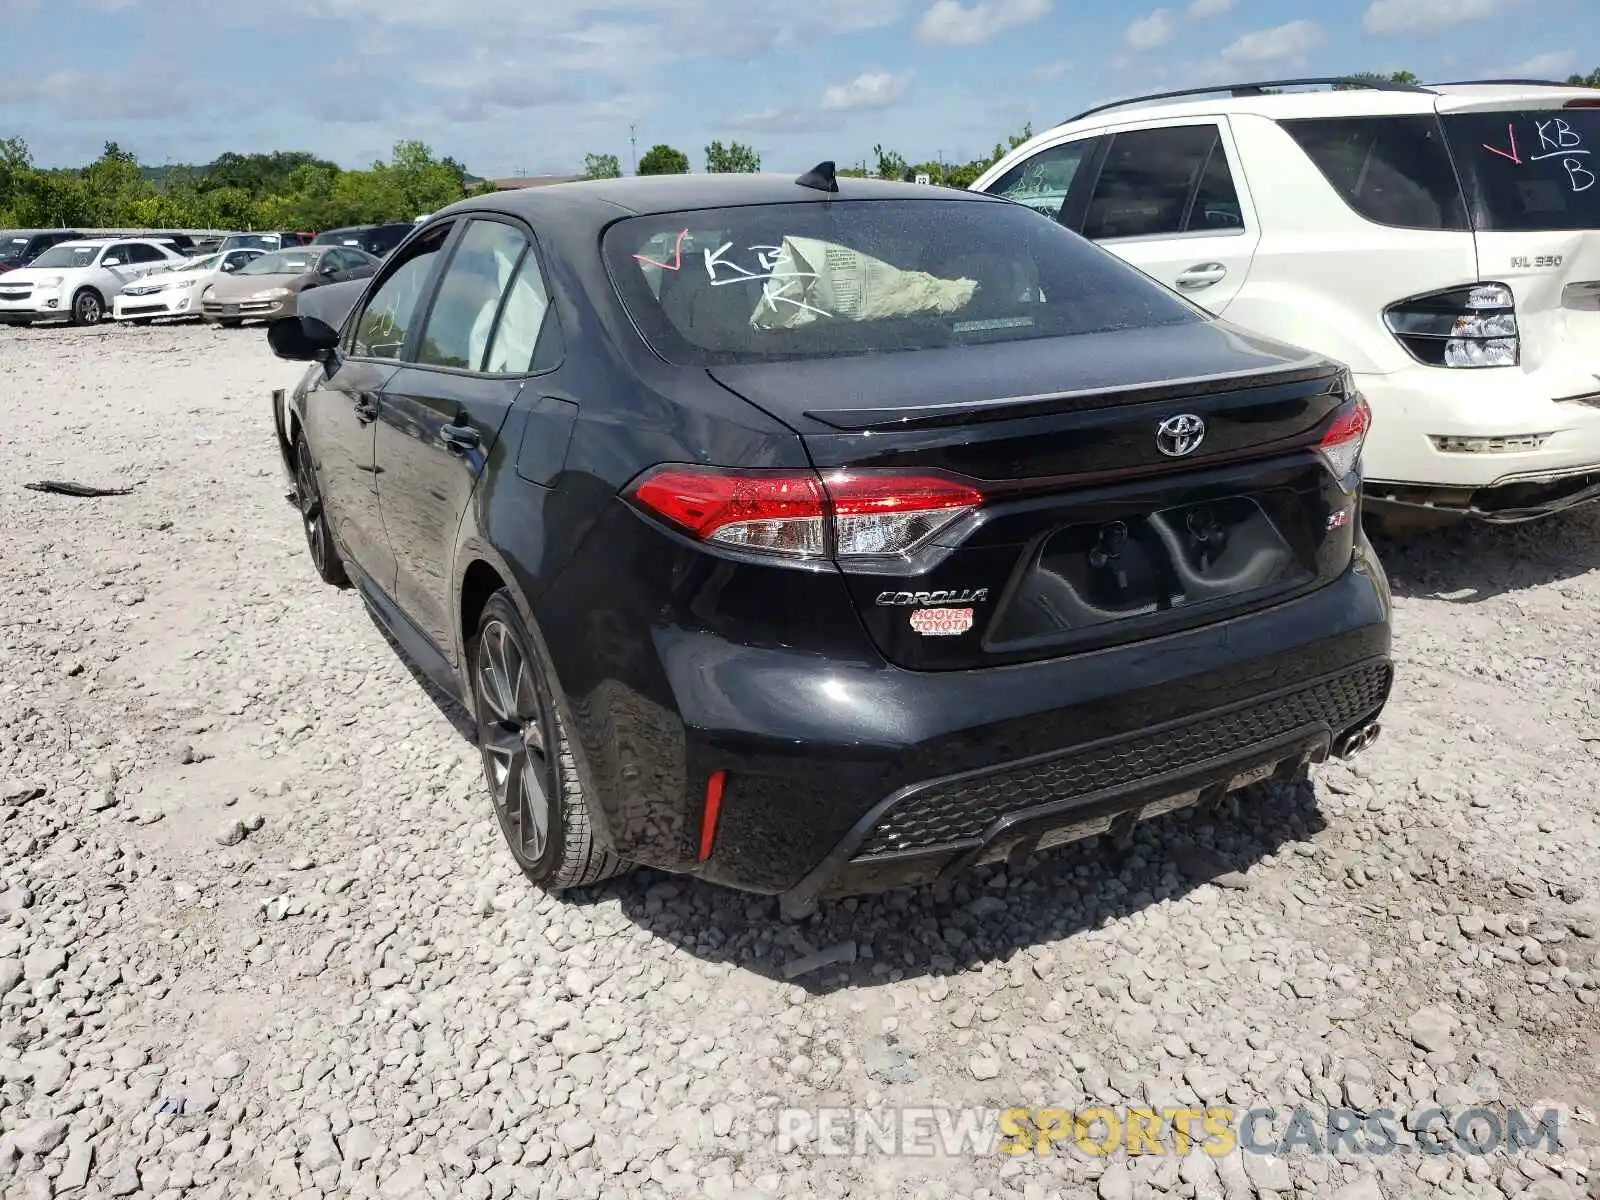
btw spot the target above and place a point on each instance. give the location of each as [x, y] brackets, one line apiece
[1393, 171]
[821, 279]
[1152, 179]
[1530, 170]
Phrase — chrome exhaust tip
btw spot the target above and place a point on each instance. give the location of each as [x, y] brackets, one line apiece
[1353, 743]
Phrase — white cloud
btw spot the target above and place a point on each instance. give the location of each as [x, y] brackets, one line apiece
[1394, 18]
[1147, 33]
[1282, 44]
[951, 23]
[1554, 64]
[1204, 10]
[870, 89]
[1045, 72]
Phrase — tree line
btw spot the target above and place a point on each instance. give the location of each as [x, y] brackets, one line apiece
[297, 190]
[281, 190]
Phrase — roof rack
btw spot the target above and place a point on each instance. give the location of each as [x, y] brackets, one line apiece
[1513, 82]
[1256, 89]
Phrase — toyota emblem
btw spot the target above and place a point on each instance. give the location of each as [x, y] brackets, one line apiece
[1180, 435]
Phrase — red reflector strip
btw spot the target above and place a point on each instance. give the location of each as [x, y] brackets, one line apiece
[713, 810]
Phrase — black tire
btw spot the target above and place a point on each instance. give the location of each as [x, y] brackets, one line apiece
[537, 795]
[88, 307]
[319, 534]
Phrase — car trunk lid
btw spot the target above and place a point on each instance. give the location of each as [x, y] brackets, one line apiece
[1175, 481]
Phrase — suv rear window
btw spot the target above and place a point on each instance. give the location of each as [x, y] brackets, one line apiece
[828, 279]
[1394, 171]
[1529, 170]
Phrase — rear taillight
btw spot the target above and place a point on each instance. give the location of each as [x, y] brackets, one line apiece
[854, 516]
[1341, 446]
[1464, 327]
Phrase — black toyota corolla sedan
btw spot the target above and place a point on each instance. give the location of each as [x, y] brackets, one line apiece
[816, 536]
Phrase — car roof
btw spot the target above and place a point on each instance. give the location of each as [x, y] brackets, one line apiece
[1382, 100]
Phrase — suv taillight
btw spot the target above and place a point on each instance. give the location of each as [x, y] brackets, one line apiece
[1472, 326]
[858, 517]
[1341, 446]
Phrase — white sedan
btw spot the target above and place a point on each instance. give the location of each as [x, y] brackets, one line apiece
[77, 281]
[177, 290]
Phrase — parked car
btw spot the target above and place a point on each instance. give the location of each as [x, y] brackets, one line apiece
[1443, 240]
[266, 241]
[77, 281]
[376, 240]
[182, 242]
[178, 290]
[266, 288]
[19, 247]
[812, 536]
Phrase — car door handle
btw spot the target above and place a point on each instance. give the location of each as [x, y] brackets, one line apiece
[459, 438]
[366, 409]
[1201, 275]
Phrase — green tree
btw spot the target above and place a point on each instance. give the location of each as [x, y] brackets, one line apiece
[733, 159]
[15, 162]
[1407, 77]
[602, 166]
[1592, 79]
[662, 159]
[890, 164]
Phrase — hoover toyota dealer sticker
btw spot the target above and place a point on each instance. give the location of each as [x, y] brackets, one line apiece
[941, 622]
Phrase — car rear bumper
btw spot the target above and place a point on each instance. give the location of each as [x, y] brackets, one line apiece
[1499, 444]
[845, 776]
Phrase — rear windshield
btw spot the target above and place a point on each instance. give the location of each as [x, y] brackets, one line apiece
[12, 245]
[821, 279]
[1529, 170]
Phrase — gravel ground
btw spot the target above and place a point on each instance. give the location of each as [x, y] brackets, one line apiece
[258, 935]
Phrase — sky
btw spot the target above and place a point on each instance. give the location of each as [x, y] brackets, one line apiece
[531, 86]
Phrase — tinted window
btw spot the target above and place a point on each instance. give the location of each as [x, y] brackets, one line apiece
[811, 280]
[1042, 181]
[1216, 202]
[1530, 170]
[457, 333]
[513, 350]
[386, 322]
[12, 246]
[1392, 170]
[140, 253]
[1148, 181]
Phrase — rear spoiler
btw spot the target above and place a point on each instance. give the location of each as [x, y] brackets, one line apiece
[1317, 374]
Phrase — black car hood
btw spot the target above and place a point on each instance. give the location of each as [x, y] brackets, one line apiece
[960, 385]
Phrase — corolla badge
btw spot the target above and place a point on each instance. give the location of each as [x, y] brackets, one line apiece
[1180, 435]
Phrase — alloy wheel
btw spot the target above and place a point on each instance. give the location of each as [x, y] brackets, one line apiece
[305, 486]
[89, 308]
[513, 736]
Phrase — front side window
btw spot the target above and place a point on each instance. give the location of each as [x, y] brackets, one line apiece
[1393, 171]
[1150, 181]
[385, 324]
[463, 314]
[1529, 170]
[1042, 182]
[827, 279]
[139, 252]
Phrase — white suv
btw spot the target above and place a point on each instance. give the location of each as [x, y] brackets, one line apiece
[77, 281]
[1441, 240]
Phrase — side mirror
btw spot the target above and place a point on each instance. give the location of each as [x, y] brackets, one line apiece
[302, 338]
[328, 269]
[110, 262]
